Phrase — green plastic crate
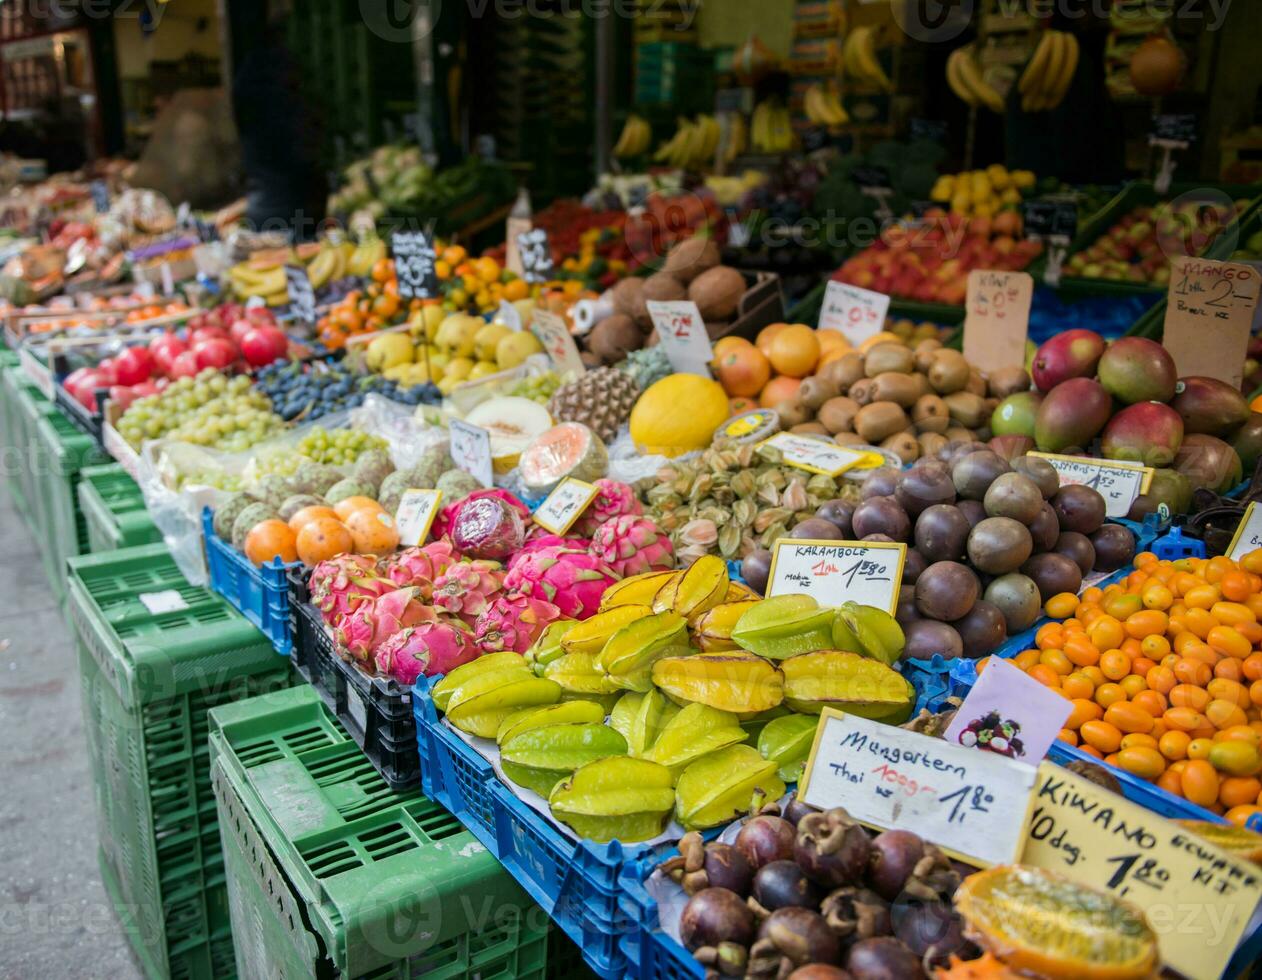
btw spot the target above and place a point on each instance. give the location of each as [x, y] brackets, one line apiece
[24, 406]
[60, 452]
[149, 680]
[354, 879]
[113, 509]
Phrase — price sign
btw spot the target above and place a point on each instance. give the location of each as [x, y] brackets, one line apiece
[166, 601]
[1010, 713]
[471, 450]
[683, 335]
[565, 503]
[814, 455]
[1117, 482]
[934, 130]
[415, 515]
[971, 804]
[551, 331]
[1248, 534]
[168, 279]
[1209, 315]
[536, 255]
[855, 313]
[996, 318]
[301, 295]
[507, 314]
[1197, 898]
[414, 259]
[1173, 127]
[1049, 219]
[833, 572]
[100, 196]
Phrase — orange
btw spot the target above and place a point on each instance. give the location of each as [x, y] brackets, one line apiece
[1225, 714]
[1109, 694]
[1155, 646]
[1065, 735]
[1135, 739]
[1106, 633]
[1184, 719]
[779, 390]
[766, 335]
[794, 351]
[322, 538]
[1045, 675]
[1081, 652]
[1024, 660]
[1082, 712]
[1174, 745]
[301, 517]
[1076, 686]
[373, 531]
[742, 370]
[1200, 782]
[1091, 750]
[270, 539]
[1171, 781]
[1199, 748]
[1133, 684]
[1057, 660]
[344, 508]
[1240, 733]
[1228, 670]
[1161, 679]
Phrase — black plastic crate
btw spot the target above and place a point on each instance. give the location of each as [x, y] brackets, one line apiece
[375, 711]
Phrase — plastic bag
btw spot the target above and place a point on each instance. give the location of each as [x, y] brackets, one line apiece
[628, 464]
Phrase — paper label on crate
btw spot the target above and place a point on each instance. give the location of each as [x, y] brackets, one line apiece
[565, 503]
[471, 450]
[168, 280]
[1209, 313]
[855, 313]
[301, 294]
[1248, 534]
[833, 572]
[814, 455]
[414, 259]
[551, 331]
[683, 335]
[415, 515]
[39, 373]
[166, 601]
[356, 708]
[1119, 483]
[997, 318]
[1010, 714]
[1197, 898]
[971, 804]
[535, 253]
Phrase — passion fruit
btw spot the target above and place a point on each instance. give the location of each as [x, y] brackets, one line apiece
[946, 591]
[941, 533]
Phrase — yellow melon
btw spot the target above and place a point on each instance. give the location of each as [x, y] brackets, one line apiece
[678, 414]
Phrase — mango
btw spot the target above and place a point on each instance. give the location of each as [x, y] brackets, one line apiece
[1070, 415]
[1147, 433]
[724, 785]
[1069, 354]
[1209, 406]
[1136, 369]
[591, 635]
[1247, 442]
[787, 742]
[695, 731]
[1208, 462]
[727, 681]
[1014, 416]
[1167, 487]
[617, 797]
[784, 626]
[849, 683]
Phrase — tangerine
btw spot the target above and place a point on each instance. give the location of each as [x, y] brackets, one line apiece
[794, 351]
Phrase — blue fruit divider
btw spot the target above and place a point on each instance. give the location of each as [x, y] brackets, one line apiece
[259, 592]
[575, 882]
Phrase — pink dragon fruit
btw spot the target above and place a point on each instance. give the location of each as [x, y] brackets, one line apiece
[341, 585]
[630, 545]
[488, 528]
[429, 649]
[612, 500]
[513, 623]
[570, 579]
[467, 587]
[537, 537]
[419, 566]
[447, 516]
[372, 623]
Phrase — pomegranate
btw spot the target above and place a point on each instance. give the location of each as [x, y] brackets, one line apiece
[184, 366]
[133, 366]
[264, 344]
[206, 332]
[165, 349]
[214, 352]
[240, 327]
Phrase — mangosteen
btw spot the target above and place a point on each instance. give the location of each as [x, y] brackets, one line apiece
[1114, 547]
[854, 912]
[999, 545]
[800, 935]
[765, 838]
[946, 590]
[894, 857]
[880, 482]
[924, 486]
[837, 512]
[1041, 472]
[941, 532]
[1079, 508]
[795, 810]
[883, 958]
[923, 638]
[756, 569]
[716, 915]
[1013, 495]
[1053, 574]
[906, 613]
[832, 847]
[716, 865]
[1045, 528]
[973, 474]
[1079, 548]
[932, 931]
[819, 971]
[881, 515]
[782, 884]
[982, 630]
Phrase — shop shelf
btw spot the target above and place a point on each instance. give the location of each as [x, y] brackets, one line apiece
[375, 711]
[333, 873]
[148, 681]
[576, 882]
[113, 509]
[260, 593]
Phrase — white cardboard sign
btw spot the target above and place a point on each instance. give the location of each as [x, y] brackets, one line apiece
[833, 572]
[855, 313]
[683, 335]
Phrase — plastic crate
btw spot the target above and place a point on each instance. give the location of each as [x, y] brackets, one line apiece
[649, 953]
[113, 509]
[576, 882]
[334, 873]
[24, 406]
[148, 681]
[375, 711]
[260, 593]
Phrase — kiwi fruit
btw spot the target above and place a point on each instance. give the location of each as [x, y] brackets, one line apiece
[879, 420]
[948, 371]
[837, 414]
[816, 390]
[888, 357]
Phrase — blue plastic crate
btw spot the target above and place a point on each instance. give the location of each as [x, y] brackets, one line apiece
[575, 882]
[649, 953]
[259, 592]
[1146, 794]
[1173, 546]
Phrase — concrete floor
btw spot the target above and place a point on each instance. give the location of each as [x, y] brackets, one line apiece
[55, 918]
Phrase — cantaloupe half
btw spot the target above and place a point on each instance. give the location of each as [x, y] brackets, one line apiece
[513, 423]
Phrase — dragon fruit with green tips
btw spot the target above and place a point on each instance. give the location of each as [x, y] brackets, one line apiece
[466, 588]
[513, 623]
[372, 623]
[613, 499]
[572, 580]
[341, 585]
[419, 566]
[428, 649]
[631, 545]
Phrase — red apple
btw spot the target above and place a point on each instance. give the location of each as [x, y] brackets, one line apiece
[215, 352]
[264, 344]
[106, 369]
[184, 366]
[147, 388]
[133, 366]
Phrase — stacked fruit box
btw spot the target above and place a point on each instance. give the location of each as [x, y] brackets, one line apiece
[113, 509]
[155, 655]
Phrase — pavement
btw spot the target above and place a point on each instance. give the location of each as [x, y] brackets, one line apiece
[55, 918]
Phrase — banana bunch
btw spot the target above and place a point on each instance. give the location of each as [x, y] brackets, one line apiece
[693, 144]
[365, 256]
[823, 107]
[859, 57]
[249, 279]
[634, 139]
[737, 141]
[1051, 68]
[967, 83]
[329, 263]
[770, 129]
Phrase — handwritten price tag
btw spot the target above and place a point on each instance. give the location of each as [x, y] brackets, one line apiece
[415, 515]
[1208, 317]
[513, 228]
[536, 255]
[814, 455]
[414, 259]
[833, 572]
[1248, 535]
[471, 450]
[1197, 898]
[1117, 482]
[683, 335]
[855, 313]
[997, 318]
[301, 295]
[551, 331]
[565, 503]
[971, 804]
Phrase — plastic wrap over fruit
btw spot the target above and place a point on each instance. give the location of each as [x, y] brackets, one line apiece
[488, 528]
